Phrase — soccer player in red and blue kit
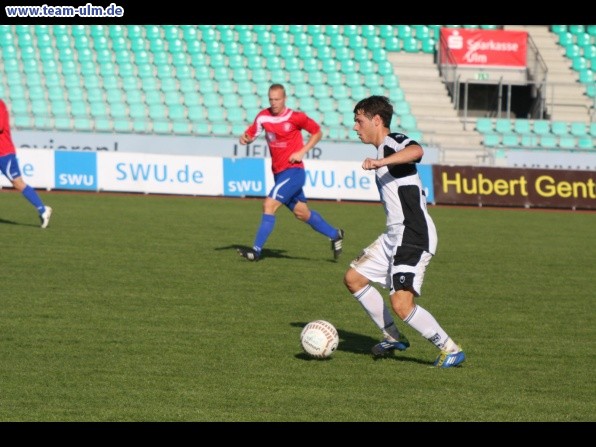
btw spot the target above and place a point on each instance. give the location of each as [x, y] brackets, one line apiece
[283, 130]
[9, 166]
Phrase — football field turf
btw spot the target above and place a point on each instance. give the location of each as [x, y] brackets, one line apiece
[138, 308]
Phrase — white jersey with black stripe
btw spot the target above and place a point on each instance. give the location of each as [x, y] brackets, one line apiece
[403, 197]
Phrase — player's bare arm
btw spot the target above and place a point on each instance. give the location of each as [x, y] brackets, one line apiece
[408, 155]
[297, 157]
[246, 139]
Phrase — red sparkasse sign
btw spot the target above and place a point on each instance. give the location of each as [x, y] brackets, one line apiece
[484, 47]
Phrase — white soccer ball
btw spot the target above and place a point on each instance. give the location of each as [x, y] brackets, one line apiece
[319, 339]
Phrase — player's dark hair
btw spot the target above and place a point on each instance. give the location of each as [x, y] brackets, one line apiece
[376, 105]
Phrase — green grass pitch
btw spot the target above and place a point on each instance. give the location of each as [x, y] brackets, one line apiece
[138, 308]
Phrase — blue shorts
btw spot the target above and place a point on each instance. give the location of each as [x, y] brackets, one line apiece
[288, 187]
[9, 166]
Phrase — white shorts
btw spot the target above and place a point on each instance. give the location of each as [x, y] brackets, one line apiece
[376, 263]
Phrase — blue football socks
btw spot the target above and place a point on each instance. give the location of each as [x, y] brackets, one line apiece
[31, 195]
[265, 229]
[319, 224]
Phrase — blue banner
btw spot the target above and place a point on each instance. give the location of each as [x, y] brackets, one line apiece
[75, 170]
[244, 177]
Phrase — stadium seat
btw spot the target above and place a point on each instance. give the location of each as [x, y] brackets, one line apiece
[393, 44]
[197, 113]
[503, 126]
[336, 133]
[572, 50]
[340, 92]
[491, 140]
[386, 69]
[567, 142]
[587, 76]
[230, 101]
[181, 128]
[548, 141]
[410, 45]
[327, 104]
[402, 108]
[484, 125]
[578, 129]
[559, 128]
[78, 109]
[408, 122]
[585, 142]
[63, 123]
[302, 90]
[316, 78]
[372, 79]
[82, 124]
[395, 93]
[163, 127]
[522, 126]
[98, 109]
[24, 121]
[428, 45]
[529, 141]
[237, 115]
[565, 38]
[307, 104]
[191, 98]
[357, 92]
[118, 110]
[138, 111]
[510, 140]
[221, 128]
[322, 91]
[541, 127]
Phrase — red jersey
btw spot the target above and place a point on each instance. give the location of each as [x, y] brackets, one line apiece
[6, 144]
[284, 135]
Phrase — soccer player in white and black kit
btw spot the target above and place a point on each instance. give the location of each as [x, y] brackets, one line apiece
[398, 258]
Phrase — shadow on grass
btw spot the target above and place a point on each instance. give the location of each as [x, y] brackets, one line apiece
[266, 253]
[12, 222]
[358, 344]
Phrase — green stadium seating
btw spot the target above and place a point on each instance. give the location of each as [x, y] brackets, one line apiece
[408, 122]
[491, 139]
[567, 142]
[578, 129]
[197, 113]
[484, 125]
[529, 141]
[410, 45]
[185, 63]
[522, 126]
[503, 126]
[585, 142]
[221, 128]
[393, 44]
[587, 76]
[511, 140]
[548, 141]
[541, 127]
[559, 128]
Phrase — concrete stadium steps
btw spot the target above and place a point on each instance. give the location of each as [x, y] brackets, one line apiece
[437, 118]
[565, 96]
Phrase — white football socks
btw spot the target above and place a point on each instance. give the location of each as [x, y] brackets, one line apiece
[374, 305]
[421, 320]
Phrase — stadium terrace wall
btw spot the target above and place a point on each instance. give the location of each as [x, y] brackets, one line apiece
[181, 145]
[325, 179]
